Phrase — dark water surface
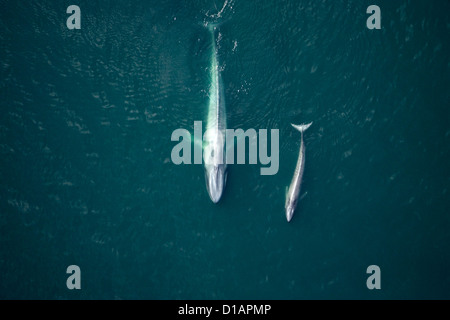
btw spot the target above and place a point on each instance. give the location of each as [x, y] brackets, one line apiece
[86, 176]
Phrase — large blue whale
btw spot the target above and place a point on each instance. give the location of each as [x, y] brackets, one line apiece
[216, 124]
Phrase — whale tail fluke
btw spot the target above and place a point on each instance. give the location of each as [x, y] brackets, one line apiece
[302, 127]
[212, 26]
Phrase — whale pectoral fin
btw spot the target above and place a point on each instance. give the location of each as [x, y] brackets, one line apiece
[303, 195]
[286, 196]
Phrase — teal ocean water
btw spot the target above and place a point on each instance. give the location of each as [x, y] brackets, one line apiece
[86, 176]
